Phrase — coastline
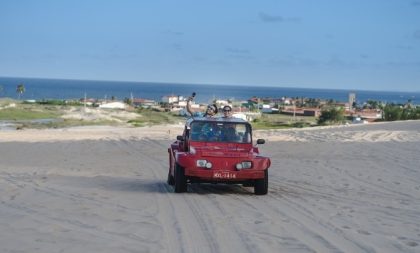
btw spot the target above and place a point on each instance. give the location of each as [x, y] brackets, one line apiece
[39, 88]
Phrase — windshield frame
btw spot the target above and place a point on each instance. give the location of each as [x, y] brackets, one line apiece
[220, 132]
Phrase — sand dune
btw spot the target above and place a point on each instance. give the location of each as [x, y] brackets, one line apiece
[379, 132]
[103, 189]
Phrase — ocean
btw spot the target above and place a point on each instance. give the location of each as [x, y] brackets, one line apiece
[37, 88]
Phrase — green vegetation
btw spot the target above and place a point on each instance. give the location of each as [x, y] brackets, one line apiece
[49, 114]
[28, 112]
[331, 115]
[279, 121]
[62, 123]
[154, 117]
[372, 104]
[395, 112]
[59, 102]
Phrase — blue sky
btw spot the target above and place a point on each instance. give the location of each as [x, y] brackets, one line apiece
[358, 44]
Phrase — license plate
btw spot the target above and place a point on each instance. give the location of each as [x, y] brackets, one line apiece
[224, 175]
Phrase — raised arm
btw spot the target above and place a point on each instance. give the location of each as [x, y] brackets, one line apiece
[189, 99]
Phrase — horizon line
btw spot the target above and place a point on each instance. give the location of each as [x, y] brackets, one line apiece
[218, 84]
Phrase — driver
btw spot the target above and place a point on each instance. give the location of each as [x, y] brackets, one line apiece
[229, 133]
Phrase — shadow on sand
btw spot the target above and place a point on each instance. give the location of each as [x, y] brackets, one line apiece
[126, 184]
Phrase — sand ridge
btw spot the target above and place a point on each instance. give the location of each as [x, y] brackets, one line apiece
[346, 133]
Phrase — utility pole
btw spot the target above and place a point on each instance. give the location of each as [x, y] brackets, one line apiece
[85, 102]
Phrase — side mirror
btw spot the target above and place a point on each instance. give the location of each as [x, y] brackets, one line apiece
[260, 141]
[180, 138]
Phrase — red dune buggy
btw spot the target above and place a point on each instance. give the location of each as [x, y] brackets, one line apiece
[217, 150]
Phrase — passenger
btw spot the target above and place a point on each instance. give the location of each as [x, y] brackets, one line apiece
[227, 111]
[211, 110]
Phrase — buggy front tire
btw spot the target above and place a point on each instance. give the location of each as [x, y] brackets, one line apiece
[180, 184]
[261, 185]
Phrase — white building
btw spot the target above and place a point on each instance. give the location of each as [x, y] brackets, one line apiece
[113, 105]
[269, 110]
[170, 99]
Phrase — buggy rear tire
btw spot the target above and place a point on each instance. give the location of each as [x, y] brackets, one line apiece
[180, 184]
[261, 185]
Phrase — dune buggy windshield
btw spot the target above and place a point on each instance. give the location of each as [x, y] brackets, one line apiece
[220, 132]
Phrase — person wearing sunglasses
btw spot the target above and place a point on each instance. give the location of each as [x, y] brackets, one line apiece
[210, 112]
[227, 111]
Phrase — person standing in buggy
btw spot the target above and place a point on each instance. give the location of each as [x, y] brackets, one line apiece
[210, 112]
[227, 111]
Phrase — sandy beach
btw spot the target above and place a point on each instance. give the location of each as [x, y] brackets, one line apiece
[103, 189]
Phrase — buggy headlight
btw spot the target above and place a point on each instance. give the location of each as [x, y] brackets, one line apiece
[204, 164]
[244, 165]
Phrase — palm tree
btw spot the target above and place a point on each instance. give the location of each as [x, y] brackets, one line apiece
[20, 89]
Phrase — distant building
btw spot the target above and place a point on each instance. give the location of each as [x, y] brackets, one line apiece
[170, 99]
[268, 109]
[315, 112]
[88, 101]
[113, 105]
[240, 116]
[142, 102]
[222, 102]
[253, 100]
